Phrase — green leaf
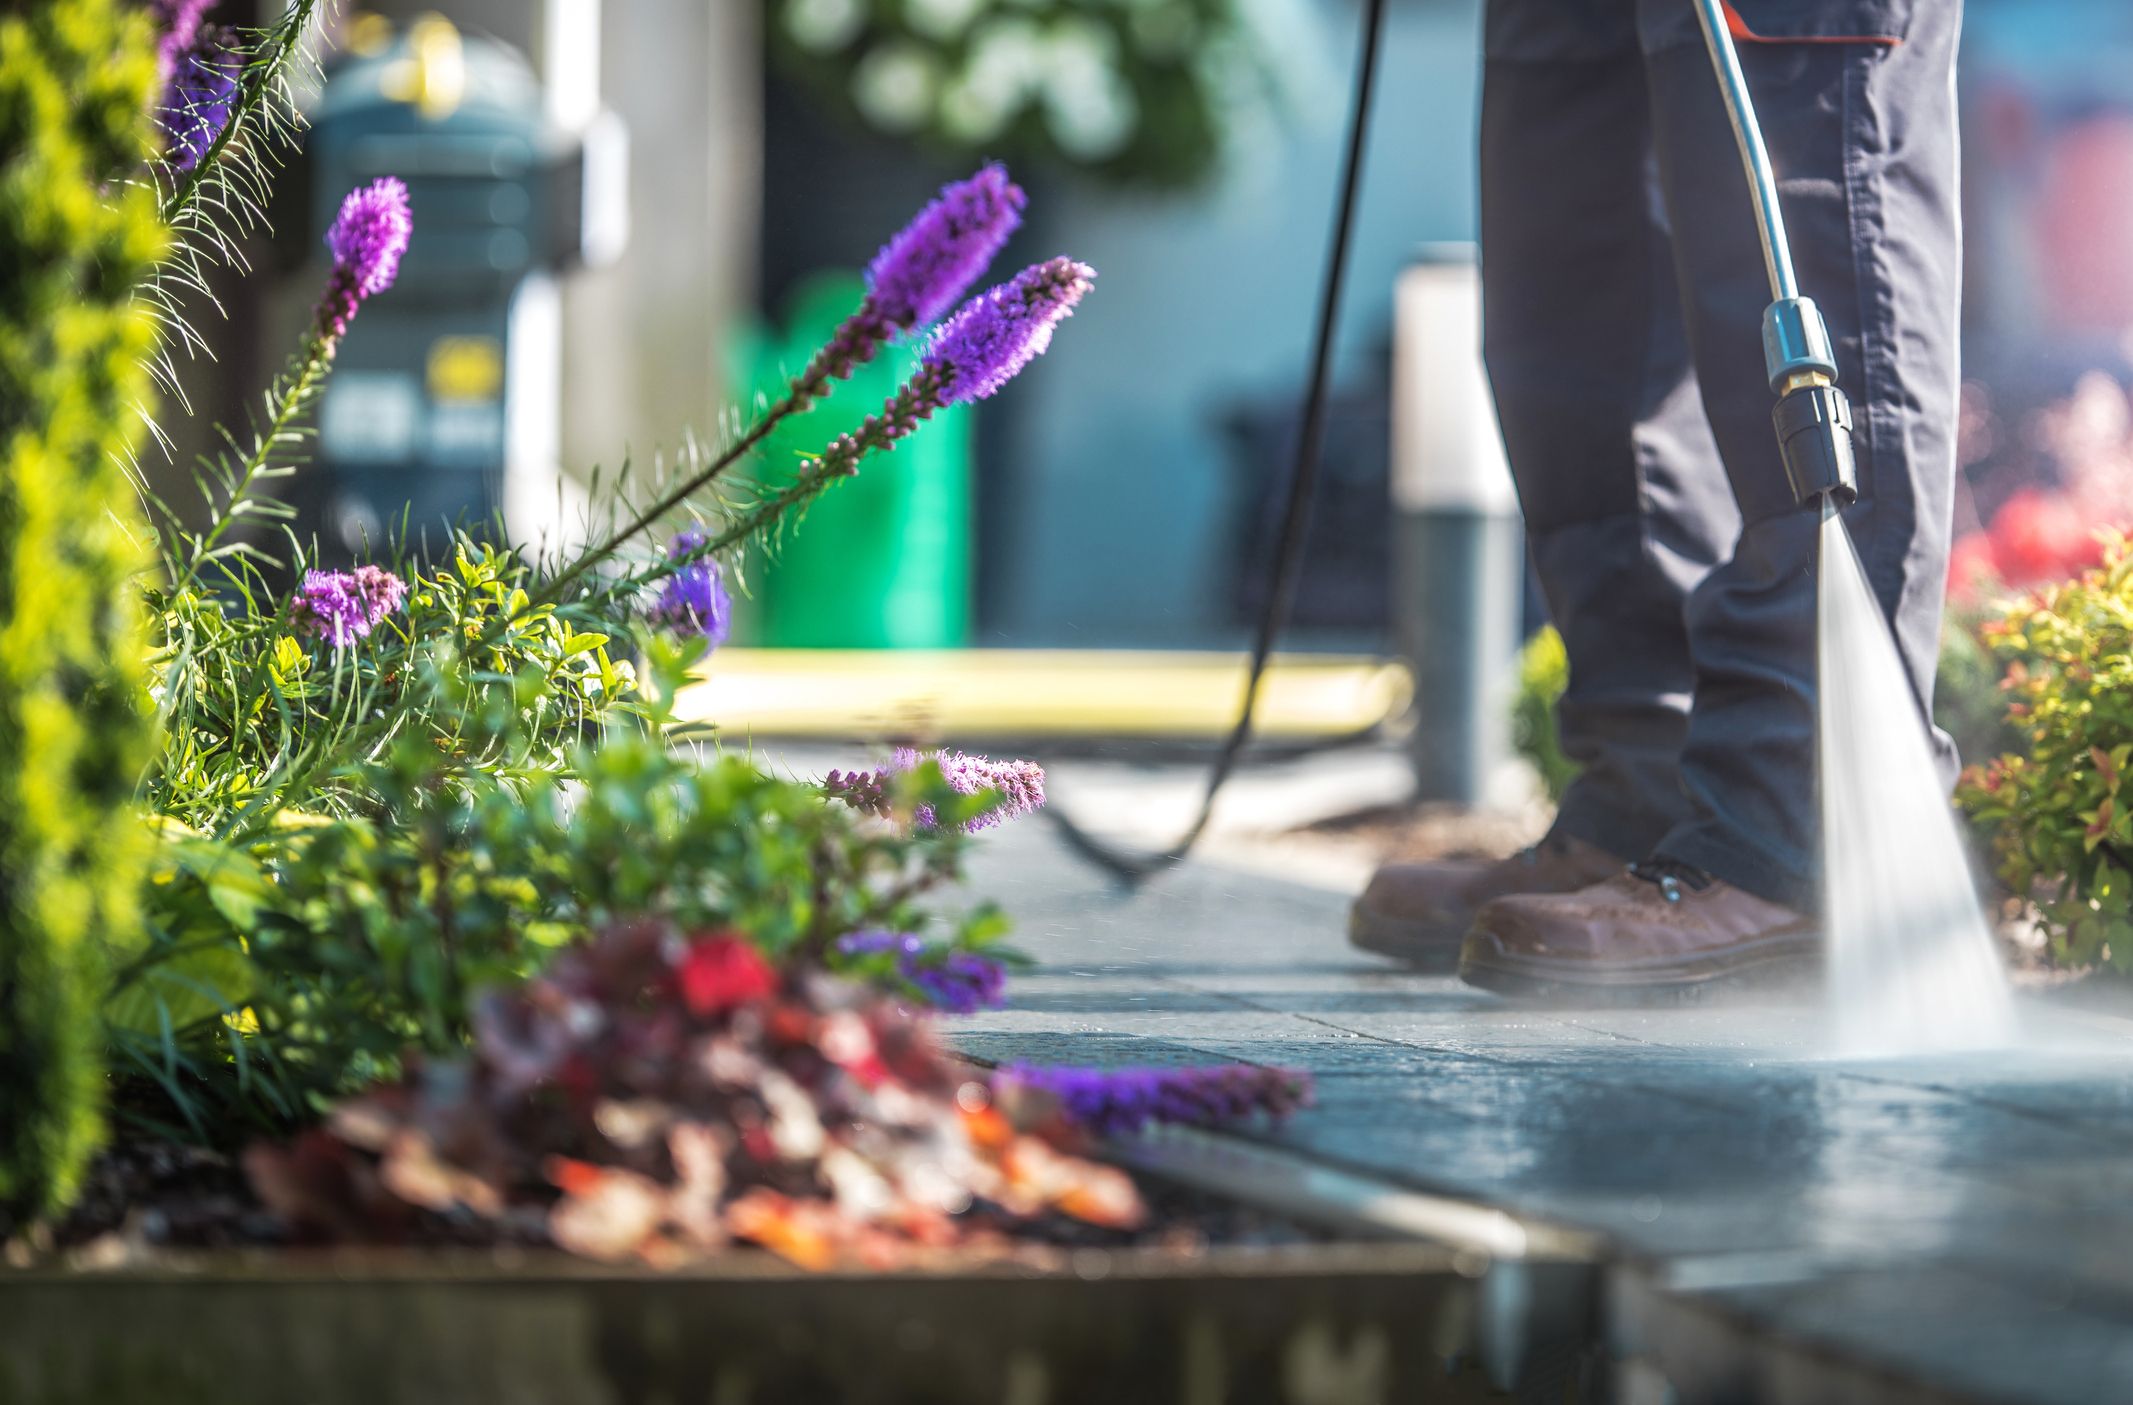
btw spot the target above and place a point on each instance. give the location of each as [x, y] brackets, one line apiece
[233, 880]
[183, 990]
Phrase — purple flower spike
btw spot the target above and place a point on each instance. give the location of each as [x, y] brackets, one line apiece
[1020, 784]
[1121, 1101]
[920, 273]
[370, 234]
[197, 103]
[873, 941]
[974, 353]
[344, 606]
[963, 982]
[367, 240]
[1000, 331]
[960, 982]
[694, 599]
[181, 25]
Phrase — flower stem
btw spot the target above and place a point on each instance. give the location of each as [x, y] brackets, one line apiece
[917, 401]
[287, 400]
[853, 345]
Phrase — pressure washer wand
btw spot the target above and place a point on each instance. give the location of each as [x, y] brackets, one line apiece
[1813, 419]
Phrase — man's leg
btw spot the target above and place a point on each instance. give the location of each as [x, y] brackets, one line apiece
[1860, 123]
[1626, 505]
[1863, 137]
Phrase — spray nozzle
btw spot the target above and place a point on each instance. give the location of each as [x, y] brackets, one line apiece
[1814, 420]
[1814, 430]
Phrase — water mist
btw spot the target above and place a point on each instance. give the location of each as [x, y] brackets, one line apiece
[1912, 968]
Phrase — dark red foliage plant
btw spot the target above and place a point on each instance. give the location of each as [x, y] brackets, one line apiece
[656, 1095]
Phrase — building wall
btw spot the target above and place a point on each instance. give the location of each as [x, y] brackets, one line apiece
[643, 338]
[1118, 530]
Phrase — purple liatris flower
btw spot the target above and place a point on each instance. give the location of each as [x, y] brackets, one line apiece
[975, 352]
[181, 25]
[865, 791]
[694, 598]
[920, 273]
[344, 606]
[874, 941]
[1020, 784]
[1121, 1101]
[370, 234]
[960, 982]
[197, 103]
[1000, 331]
[367, 240]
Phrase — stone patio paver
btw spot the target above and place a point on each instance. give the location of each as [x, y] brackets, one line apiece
[1967, 1219]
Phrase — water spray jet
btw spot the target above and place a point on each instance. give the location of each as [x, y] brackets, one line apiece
[1911, 965]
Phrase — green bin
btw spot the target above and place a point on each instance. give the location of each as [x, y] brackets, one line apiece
[881, 560]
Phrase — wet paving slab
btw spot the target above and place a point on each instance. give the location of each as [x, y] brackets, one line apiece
[1958, 1226]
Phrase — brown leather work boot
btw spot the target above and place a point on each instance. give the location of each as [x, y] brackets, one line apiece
[1658, 933]
[1417, 912]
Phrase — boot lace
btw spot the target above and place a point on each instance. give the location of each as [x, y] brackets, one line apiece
[1670, 876]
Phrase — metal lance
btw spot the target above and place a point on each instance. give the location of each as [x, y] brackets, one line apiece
[1812, 417]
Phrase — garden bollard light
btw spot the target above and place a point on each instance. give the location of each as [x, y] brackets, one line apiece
[1459, 544]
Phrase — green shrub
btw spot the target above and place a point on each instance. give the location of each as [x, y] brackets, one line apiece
[1968, 703]
[291, 971]
[77, 235]
[258, 712]
[1543, 673]
[359, 832]
[2054, 818]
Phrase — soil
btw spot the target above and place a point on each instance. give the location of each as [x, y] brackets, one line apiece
[165, 1194]
[154, 1194]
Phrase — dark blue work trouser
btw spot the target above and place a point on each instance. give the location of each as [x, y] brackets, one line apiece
[1623, 294]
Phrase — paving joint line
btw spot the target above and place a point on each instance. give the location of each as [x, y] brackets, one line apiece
[1957, 1095]
[1540, 1068]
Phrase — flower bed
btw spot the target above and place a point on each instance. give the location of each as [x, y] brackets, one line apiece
[410, 909]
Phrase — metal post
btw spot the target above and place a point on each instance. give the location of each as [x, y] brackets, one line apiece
[1459, 544]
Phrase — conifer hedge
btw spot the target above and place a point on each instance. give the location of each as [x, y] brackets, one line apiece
[78, 233]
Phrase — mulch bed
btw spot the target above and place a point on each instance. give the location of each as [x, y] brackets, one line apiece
[151, 1194]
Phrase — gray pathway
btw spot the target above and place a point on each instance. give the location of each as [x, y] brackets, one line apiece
[1964, 1220]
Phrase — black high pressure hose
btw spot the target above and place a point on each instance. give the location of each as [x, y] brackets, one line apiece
[1296, 515]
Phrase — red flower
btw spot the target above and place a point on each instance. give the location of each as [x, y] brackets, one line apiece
[722, 971]
[2041, 536]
